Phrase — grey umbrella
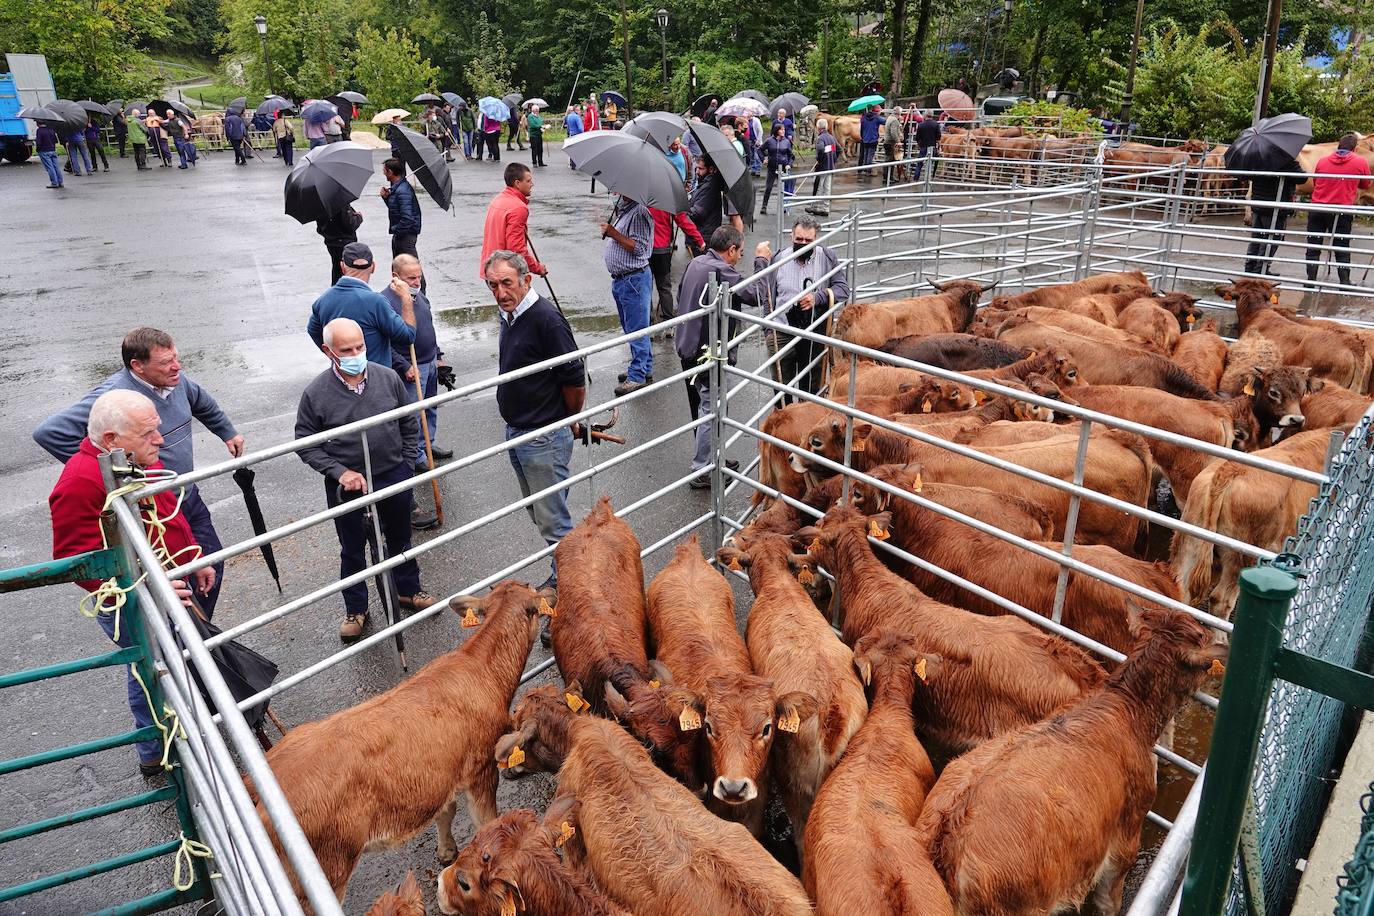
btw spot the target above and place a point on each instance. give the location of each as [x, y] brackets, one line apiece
[274, 104]
[513, 100]
[238, 104]
[1270, 144]
[722, 152]
[426, 97]
[95, 108]
[115, 104]
[658, 127]
[752, 94]
[631, 166]
[454, 99]
[38, 113]
[357, 98]
[792, 101]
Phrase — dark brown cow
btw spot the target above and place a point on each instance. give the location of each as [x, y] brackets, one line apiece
[957, 352]
[1329, 352]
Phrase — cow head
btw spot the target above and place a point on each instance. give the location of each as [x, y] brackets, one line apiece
[506, 597]
[744, 718]
[1057, 366]
[764, 553]
[842, 518]
[1044, 386]
[937, 396]
[1276, 394]
[1249, 295]
[540, 736]
[868, 498]
[667, 719]
[963, 296]
[1172, 656]
[1181, 306]
[827, 440]
[887, 659]
[987, 320]
[515, 851]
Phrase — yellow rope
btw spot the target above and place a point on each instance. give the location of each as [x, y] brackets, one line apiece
[189, 849]
[169, 733]
[93, 604]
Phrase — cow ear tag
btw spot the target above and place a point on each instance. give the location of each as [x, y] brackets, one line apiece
[734, 565]
[470, 619]
[805, 576]
[689, 720]
[1191, 318]
[1249, 389]
[1217, 667]
[877, 531]
[516, 758]
[857, 445]
[790, 722]
[546, 609]
[1273, 298]
[576, 703]
[926, 406]
[566, 832]
[508, 904]
[921, 670]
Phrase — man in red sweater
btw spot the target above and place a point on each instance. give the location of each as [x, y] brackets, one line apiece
[661, 258]
[508, 218]
[128, 420]
[1338, 184]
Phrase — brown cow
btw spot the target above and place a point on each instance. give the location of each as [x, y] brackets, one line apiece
[998, 673]
[1073, 790]
[959, 151]
[374, 774]
[599, 636]
[1202, 354]
[644, 837]
[1053, 363]
[1275, 395]
[1103, 363]
[1248, 504]
[692, 629]
[862, 855]
[1328, 404]
[815, 699]
[1075, 323]
[1060, 295]
[871, 324]
[1216, 180]
[1331, 354]
[1118, 464]
[1159, 321]
[876, 379]
[512, 865]
[1013, 157]
[1092, 607]
[406, 900]
[1350, 331]
[846, 131]
[957, 352]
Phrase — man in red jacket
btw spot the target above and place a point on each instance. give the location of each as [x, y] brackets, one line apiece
[508, 218]
[661, 258]
[128, 420]
[1338, 184]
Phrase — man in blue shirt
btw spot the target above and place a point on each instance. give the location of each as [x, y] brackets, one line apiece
[46, 141]
[573, 122]
[402, 210]
[352, 298]
[868, 138]
[629, 242]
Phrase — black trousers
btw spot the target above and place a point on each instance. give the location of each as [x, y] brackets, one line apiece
[404, 243]
[514, 135]
[1337, 225]
[203, 527]
[141, 155]
[1265, 235]
[98, 149]
[693, 395]
[661, 265]
[537, 147]
[121, 138]
[352, 529]
[493, 146]
[335, 250]
[238, 150]
[805, 351]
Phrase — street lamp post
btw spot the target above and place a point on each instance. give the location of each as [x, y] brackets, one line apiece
[1006, 30]
[662, 17]
[1129, 95]
[629, 76]
[260, 22]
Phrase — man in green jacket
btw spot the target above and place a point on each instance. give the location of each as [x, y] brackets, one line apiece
[535, 124]
[466, 124]
[138, 136]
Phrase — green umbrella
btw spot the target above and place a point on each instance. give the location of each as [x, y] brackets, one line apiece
[866, 101]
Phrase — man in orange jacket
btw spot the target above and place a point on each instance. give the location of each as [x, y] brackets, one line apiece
[508, 217]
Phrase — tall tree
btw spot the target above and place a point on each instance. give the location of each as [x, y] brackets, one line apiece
[897, 31]
[918, 49]
[92, 46]
[389, 68]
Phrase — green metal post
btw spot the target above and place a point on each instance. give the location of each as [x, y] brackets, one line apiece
[1265, 595]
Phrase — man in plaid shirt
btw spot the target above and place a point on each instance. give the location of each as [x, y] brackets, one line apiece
[629, 236]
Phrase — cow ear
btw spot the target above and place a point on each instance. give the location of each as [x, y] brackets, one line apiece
[807, 539]
[507, 888]
[861, 433]
[803, 567]
[836, 424]
[1315, 384]
[793, 709]
[616, 702]
[1226, 291]
[1253, 382]
[560, 821]
[473, 609]
[732, 558]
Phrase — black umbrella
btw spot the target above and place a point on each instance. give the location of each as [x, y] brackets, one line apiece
[115, 104]
[1270, 144]
[95, 108]
[741, 194]
[136, 109]
[239, 104]
[273, 105]
[512, 100]
[792, 101]
[343, 106]
[73, 116]
[703, 102]
[427, 164]
[427, 97]
[454, 99]
[658, 127]
[244, 478]
[38, 113]
[629, 165]
[722, 152]
[357, 98]
[246, 673]
[164, 108]
[327, 179]
[610, 95]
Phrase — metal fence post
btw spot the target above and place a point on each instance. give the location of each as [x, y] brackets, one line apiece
[1265, 595]
[851, 245]
[716, 357]
[1071, 518]
[1087, 230]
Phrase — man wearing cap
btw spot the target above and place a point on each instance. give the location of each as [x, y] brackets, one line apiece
[353, 388]
[352, 298]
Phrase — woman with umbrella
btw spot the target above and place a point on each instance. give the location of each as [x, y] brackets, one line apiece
[1271, 146]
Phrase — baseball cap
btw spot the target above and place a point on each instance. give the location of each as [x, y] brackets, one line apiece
[357, 256]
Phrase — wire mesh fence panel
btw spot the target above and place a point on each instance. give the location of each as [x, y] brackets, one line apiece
[1355, 888]
[1335, 546]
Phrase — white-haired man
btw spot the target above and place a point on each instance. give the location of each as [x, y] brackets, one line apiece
[120, 419]
[827, 152]
[353, 389]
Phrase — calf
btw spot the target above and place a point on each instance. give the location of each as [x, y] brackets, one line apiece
[815, 704]
[692, 629]
[1060, 295]
[645, 839]
[998, 673]
[376, 774]
[599, 636]
[876, 380]
[871, 324]
[1273, 391]
[862, 853]
[1328, 404]
[957, 352]
[1053, 363]
[406, 900]
[1078, 324]
[1330, 353]
[1072, 790]
[1092, 607]
[1104, 307]
[1158, 320]
[1202, 354]
[1257, 507]
[512, 865]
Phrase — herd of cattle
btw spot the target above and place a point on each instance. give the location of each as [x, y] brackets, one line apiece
[934, 755]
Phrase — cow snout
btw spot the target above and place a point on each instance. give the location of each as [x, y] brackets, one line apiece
[446, 904]
[735, 791]
[798, 463]
[1292, 419]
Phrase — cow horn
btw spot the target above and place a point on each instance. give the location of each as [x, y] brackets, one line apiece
[990, 287]
[938, 285]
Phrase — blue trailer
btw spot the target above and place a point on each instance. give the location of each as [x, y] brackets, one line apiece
[27, 82]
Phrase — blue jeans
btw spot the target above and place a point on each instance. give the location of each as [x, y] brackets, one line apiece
[49, 161]
[541, 463]
[181, 151]
[75, 146]
[467, 144]
[315, 141]
[632, 295]
[429, 382]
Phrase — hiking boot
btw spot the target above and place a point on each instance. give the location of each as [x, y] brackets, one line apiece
[422, 519]
[351, 630]
[416, 602]
[150, 769]
[625, 375]
[441, 453]
[627, 386]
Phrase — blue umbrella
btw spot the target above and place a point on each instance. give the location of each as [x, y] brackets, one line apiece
[318, 112]
[493, 108]
[610, 95]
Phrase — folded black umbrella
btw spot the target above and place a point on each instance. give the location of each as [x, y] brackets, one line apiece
[327, 180]
[1270, 144]
[244, 478]
[245, 672]
[427, 164]
[741, 194]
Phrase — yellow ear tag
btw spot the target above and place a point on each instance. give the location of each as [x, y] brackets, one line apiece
[546, 609]
[1190, 319]
[1217, 667]
[806, 576]
[1249, 389]
[790, 722]
[857, 446]
[516, 758]
[1273, 298]
[576, 703]
[921, 670]
[655, 683]
[979, 396]
[916, 484]
[814, 546]
[734, 564]
[470, 619]
[690, 720]
[566, 832]
[508, 904]
[926, 406]
[877, 531]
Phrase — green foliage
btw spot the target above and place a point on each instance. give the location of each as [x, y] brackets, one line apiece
[852, 57]
[306, 39]
[388, 68]
[92, 46]
[722, 73]
[195, 27]
[1060, 118]
[489, 71]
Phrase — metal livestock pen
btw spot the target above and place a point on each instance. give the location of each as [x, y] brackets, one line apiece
[888, 241]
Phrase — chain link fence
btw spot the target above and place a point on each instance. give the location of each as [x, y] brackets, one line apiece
[1355, 888]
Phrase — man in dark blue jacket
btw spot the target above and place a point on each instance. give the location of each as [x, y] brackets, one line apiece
[868, 138]
[46, 142]
[351, 297]
[403, 211]
[236, 130]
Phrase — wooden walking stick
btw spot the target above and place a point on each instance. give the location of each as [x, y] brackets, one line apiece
[424, 430]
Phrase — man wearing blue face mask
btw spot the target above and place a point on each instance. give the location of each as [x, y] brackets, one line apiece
[354, 388]
[351, 297]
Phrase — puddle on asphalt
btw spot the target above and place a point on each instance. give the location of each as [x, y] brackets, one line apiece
[479, 322]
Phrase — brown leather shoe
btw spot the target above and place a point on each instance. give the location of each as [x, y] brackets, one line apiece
[351, 630]
[416, 602]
